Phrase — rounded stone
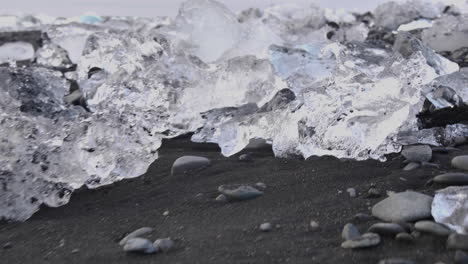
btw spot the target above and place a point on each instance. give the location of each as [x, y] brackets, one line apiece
[403, 207]
[454, 178]
[352, 192]
[364, 241]
[245, 158]
[139, 245]
[163, 244]
[260, 186]
[460, 162]
[350, 232]
[186, 164]
[137, 233]
[389, 229]
[404, 237]
[239, 192]
[412, 166]
[457, 241]
[266, 227]
[417, 153]
[221, 198]
[432, 228]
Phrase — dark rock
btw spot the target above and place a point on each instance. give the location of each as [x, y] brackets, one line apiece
[404, 237]
[453, 178]
[457, 241]
[7, 245]
[412, 166]
[432, 228]
[362, 217]
[461, 257]
[373, 193]
[389, 229]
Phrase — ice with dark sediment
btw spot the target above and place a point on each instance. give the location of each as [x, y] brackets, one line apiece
[100, 93]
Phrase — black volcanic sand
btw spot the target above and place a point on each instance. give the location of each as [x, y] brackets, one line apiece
[206, 231]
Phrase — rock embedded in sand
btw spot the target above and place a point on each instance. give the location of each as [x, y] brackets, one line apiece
[453, 178]
[245, 157]
[350, 232]
[137, 233]
[364, 241]
[351, 192]
[460, 162]
[187, 164]
[221, 198]
[432, 228]
[457, 241]
[396, 261]
[412, 166]
[314, 225]
[266, 227]
[417, 153]
[403, 207]
[139, 245]
[237, 192]
[163, 244]
[260, 186]
[386, 229]
[404, 237]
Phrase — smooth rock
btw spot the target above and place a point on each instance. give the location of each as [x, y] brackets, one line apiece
[460, 257]
[221, 198]
[245, 158]
[266, 227]
[139, 245]
[453, 178]
[239, 192]
[404, 237]
[188, 164]
[364, 241]
[163, 244]
[460, 162]
[351, 192]
[396, 261]
[390, 229]
[137, 233]
[403, 207]
[432, 228]
[417, 153]
[260, 186]
[362, 217]
[457, 241]
[412, 166]
[350, 232]
[314, 225]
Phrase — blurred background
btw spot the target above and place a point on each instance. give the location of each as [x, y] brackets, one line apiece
[150, 8]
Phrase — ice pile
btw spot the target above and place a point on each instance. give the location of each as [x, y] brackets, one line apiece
[87, 101]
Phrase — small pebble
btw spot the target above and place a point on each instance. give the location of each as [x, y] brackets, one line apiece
[432, 228]
[139, 245]
[412, 166]
[457, 241]
[404, 237]
[364, 241]
[362, 217]
[137, 233]
[239, 192]
[350, 232]
[163, 244]
[396, 261]
[454, 178]
[373, 193]
[461, 257]
[75, 251]
[390, 229]
[166, 213]
[7, 245]
[352, 192]
[246, 157]
[314, 225]
[266, 227]
[221, 198]
[260, 186]
[460, 162]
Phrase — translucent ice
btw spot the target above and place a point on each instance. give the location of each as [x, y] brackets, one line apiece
[450, 207]
[16, 51]
[448, 33]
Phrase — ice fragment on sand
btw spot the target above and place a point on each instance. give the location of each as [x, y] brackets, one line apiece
[450, 207]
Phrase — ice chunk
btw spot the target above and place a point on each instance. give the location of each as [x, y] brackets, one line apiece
[52, 55]
[448, 90]
[417, 24]
[450, 207]
[448, 33]
[436, 136]
[16, 51]
[392, 14]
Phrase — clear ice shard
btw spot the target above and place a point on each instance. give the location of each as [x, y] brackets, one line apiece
[16, 51]
[436, 136]
[448, 33]
[450, 207]
[448, 90]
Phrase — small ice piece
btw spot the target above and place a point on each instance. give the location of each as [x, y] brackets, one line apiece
[448, 33]
[16, 51]
[448, 90]
[450, 207]
[392, 14]
[90, 18]
[417, 24]
[52, 55]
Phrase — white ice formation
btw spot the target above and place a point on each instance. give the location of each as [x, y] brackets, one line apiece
[450, 207]
[100, 93]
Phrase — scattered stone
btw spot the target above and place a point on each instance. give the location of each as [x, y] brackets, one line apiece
[396, 261]
[314, 225]
[221, 198]
[390, 229]
[187, 164]
[75, 251]
[163, 244]
[166, 213]
[417, 153]
[450, 207]
[373, 193]
[453, 178]
[403, 207]
[245, 158]
[430, 164]
[364, 241]
[432, 228]
[461, 257]
[412, 166]
[404, 237]
[137, 233]
[7, 245]
[139, 245]
[350, 232]
[457, 241]
[239, 192]
[460, 162]
[260, 186]
[352, 192]
[266, 227]
[362, 217]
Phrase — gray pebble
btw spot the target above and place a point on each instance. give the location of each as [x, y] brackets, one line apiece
[314, 225]
[245, 158]
[260, 186]
[364, 241]
[417, 153]
[350, 232]
[362, 217]
[412, 166]
[373, 193]
[7, 245]
[404, 237]
[221, 198]
[432, 228]
[460, 162]
[390, 229]
[137, 233]
[266, 227]
[163, 244]
[457, 241]
[186, 164]
[461, 257]
[352, 192]
[139, 245]
[396, 261]
[454, 178]
[239, 192]
[403, 207]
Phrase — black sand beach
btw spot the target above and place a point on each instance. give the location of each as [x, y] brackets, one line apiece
[87, 230]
